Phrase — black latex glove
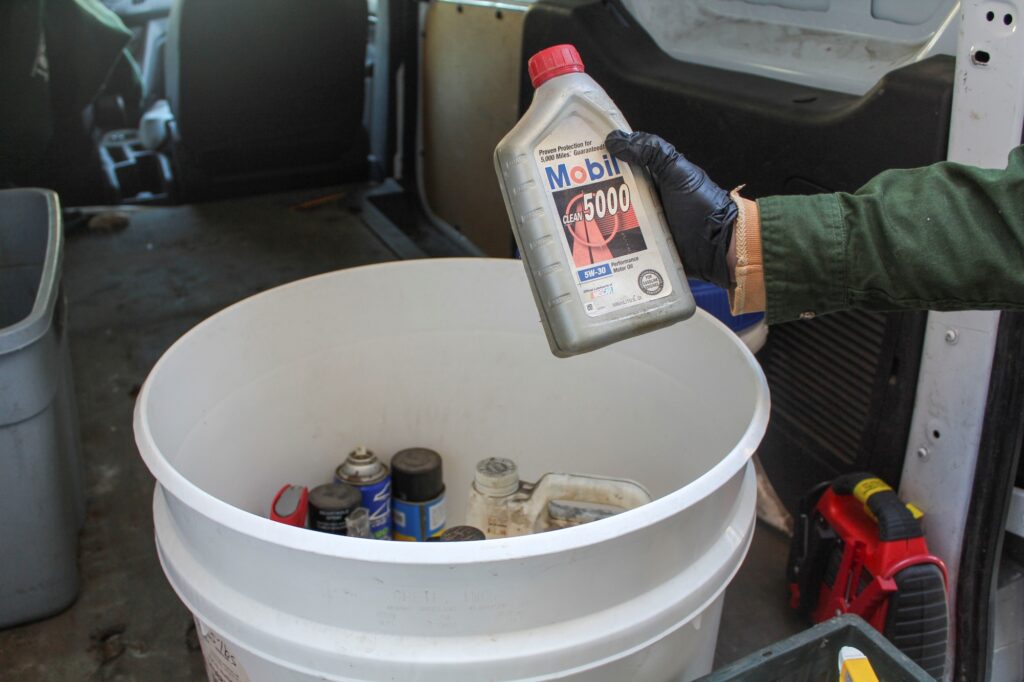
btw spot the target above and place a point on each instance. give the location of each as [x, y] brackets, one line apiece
[700, 213]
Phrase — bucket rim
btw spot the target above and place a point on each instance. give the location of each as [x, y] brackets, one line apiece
[175, 484]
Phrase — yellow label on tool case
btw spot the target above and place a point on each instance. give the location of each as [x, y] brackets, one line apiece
[868, 487]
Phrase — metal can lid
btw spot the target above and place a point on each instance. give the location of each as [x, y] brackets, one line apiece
[496, 477]
[416, 475]
[361, 467]
[334, 496]
[462, 534]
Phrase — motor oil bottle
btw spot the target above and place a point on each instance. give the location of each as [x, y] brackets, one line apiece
[590, 229]
[502, 505]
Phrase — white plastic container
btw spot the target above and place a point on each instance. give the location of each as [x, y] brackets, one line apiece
[446, 354]
[503, 505]
[591, 231]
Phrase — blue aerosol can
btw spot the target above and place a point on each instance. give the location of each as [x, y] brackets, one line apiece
[371, 477]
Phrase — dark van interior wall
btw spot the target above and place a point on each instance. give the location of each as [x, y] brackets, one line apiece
[842, 386]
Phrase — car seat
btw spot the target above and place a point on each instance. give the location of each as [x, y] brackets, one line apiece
[263, 95]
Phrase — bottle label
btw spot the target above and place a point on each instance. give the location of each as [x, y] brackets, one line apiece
[376, 497]
[606, 230]
[418, 521]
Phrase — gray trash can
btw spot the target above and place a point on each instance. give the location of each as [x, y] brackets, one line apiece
[42, 501]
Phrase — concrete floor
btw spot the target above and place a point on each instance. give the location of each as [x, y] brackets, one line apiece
[131, 294]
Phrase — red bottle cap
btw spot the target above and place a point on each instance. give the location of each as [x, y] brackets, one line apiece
[556, 60]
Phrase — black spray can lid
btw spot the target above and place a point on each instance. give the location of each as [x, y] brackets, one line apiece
[334, 496]
[416, 475]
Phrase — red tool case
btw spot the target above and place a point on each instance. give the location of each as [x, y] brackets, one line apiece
[858, 549]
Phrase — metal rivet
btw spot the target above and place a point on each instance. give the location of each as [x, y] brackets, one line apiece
[922, 453]
[809, 315]
[952, 336]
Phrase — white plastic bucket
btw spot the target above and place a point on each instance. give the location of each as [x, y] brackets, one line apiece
[448, 354]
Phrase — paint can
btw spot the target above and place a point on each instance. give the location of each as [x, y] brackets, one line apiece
[418, 510]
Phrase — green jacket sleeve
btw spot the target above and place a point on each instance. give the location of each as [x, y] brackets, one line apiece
[943, 237]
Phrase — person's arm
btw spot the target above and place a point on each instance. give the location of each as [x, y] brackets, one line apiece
[944, 237]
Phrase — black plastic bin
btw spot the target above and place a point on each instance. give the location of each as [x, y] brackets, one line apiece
[812, 656]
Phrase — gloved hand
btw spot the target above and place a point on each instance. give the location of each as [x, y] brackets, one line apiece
[700, 213]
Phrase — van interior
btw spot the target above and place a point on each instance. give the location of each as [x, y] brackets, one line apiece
[237, 146]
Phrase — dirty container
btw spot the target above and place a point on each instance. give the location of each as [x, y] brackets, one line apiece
[503, 505]
[812, 656]
[447, 354]
[41, 495]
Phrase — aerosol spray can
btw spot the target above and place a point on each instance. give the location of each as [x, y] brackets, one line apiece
[418, 508]
[366, 473]
[330, 505]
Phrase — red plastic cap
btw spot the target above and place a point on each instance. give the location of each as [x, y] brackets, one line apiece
[556, 60]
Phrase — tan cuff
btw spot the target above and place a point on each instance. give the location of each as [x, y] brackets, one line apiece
[747, 295]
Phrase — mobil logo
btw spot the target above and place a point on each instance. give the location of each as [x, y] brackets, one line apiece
[561, 176]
